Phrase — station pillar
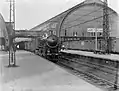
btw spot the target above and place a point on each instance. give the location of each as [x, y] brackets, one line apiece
[12, 57]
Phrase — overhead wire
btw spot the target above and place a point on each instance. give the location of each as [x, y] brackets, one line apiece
[85, 15]
[86, 21]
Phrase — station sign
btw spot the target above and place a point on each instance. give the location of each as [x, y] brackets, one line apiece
[94, 29]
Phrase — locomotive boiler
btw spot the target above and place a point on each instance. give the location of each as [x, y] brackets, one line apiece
[52, 46]
[48, 47]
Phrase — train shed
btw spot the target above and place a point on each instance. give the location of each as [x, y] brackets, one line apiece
[83, 20]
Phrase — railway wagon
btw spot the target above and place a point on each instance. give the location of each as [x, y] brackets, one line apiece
[30, 46]
[84, 21]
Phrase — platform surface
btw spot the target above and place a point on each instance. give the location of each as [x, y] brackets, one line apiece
[37, 74]
[114, 57]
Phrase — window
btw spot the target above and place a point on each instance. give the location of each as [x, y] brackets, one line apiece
[91, 33]
[82, 34]
[65, 32]
[94, 33]
[100, 34]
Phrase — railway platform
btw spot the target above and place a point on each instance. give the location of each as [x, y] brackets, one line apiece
[37, 74]
[114, 57]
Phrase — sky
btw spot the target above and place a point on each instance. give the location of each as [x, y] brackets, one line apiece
[30, 13]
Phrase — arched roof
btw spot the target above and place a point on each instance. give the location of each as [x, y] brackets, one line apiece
[88, 15]
[83, 9]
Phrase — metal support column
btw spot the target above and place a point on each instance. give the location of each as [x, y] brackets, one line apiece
[12, 49]
[106, 34]
[12, 59]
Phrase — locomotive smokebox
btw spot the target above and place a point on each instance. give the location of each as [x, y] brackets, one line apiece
[52, 41]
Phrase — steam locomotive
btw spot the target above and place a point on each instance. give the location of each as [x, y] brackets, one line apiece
[49, 47]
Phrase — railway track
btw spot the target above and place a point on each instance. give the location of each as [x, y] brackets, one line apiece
[93, 73]
[97, 64]
[94, 66]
